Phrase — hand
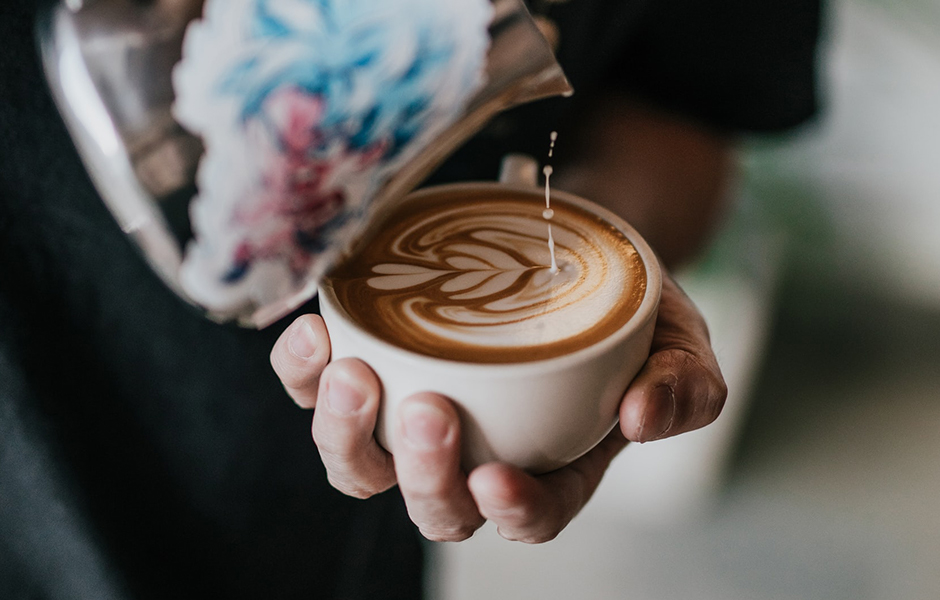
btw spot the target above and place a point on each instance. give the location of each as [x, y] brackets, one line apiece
[679, 389]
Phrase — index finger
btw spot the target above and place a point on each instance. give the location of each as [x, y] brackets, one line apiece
[299, 356]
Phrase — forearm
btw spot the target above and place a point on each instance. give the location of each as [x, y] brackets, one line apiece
[669, 177]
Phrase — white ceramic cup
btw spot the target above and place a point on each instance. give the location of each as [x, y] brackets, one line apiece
[537, 415]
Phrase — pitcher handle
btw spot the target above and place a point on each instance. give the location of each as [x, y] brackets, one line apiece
[519, 169]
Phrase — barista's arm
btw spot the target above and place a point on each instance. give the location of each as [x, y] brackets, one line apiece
[668, 180]
[666, 175]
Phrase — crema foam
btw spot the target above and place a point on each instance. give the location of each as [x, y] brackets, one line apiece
[467, 276]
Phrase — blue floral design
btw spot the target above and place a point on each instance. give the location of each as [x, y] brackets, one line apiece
[343, 56]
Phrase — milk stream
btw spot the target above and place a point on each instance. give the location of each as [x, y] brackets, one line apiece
[548, 213]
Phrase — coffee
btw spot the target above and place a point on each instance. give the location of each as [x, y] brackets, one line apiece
[466, 276]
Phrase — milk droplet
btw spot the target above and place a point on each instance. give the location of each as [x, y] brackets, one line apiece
[547, 214]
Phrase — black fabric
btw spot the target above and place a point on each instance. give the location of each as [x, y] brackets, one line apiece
[740, 65]
[737, 66]
[148, 453]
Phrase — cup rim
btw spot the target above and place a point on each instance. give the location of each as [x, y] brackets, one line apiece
[645, 312]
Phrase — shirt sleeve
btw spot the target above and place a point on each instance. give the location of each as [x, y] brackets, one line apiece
[740, 65]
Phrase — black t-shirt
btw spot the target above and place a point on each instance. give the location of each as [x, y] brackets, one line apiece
[740, 66]
[148, 453]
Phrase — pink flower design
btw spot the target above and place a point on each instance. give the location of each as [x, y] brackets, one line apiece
[298, 194]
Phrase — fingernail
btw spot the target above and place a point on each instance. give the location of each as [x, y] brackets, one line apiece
[659, 414]
[424, 426]
[343, 396]
[302, 342]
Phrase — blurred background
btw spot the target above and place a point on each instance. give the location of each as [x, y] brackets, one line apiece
[822, 477]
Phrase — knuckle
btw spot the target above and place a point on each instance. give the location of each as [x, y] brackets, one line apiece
[305, 401]
[718, 397]
[351, 468]
[425, 487]
[675, 361]
[294, 373]
[349, 488]
[293, 377]
[281, 369]
[302, 388]
[425, 482]
[336, 447]
[711, 392]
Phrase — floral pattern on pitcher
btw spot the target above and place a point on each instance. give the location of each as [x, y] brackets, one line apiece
[306, 107]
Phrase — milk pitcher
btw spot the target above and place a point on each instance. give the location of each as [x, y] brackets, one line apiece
[244, 145]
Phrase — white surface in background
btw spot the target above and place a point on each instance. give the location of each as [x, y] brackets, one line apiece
[874, 163]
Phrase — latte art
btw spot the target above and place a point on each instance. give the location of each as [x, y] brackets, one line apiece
[470, 279]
